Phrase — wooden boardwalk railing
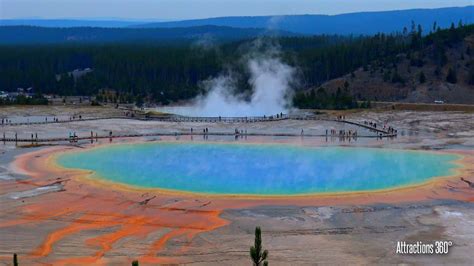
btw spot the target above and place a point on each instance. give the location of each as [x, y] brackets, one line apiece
[217, 119]
[68, 121]
[380, 132]
[200, 119]
[43, 140]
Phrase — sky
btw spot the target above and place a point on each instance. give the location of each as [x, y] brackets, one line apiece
[189, 9]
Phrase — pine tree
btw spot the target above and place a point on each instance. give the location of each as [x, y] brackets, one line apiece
[258, 256]
[386, 76]
[422, 77]
[15, 260]
[135, 263]
[451, 77]
[346, 84]
[396, 78]
[471, 73]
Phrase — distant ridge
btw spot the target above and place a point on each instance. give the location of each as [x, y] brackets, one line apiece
[351, 23]
[228, 28]
[69, 23]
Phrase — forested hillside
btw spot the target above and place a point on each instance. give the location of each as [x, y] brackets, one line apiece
[42, 35]
[167, 73]
[439, 67]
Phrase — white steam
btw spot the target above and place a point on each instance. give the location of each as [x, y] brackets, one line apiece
[270, 80]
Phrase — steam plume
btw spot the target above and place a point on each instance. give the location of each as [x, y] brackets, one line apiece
[270, 80]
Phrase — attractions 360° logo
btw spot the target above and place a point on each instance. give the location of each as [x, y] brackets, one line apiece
[419, 248]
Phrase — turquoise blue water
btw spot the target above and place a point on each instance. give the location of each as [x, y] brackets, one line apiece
[268, 169]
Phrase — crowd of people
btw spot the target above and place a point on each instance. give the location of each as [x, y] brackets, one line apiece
[341, 133]
[7, 121]
[372, 124]
[388, 129]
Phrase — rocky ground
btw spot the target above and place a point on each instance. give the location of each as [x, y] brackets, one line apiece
[296, 234]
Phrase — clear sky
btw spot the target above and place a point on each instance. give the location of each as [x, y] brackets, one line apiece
[187, 9]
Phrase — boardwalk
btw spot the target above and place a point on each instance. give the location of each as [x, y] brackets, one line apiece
[249, 119]
[40, 140]
[379, 133]
[66, 121]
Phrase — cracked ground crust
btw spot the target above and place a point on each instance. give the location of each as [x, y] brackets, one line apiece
[87, 224]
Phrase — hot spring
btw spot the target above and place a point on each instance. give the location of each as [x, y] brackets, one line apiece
[259, 169]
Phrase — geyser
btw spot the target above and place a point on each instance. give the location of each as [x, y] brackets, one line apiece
[270, 80]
